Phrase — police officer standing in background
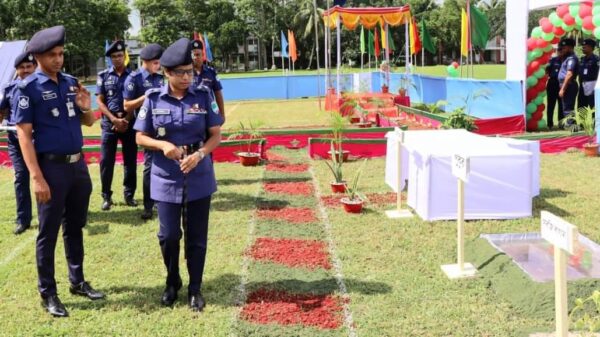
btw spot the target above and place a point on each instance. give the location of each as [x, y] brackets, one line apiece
[567, 79]
[116, 126]
[552, 87]
[25, 65]
[136, 85]
[588, 74]
[207, 76]
[50, 110]
[178, 123]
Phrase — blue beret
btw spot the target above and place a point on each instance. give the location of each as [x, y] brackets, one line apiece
[589, 42]
[567, 42]
[115, 47]
[152, 51]
[46, 39]
[197, 44]
[179, 53]
[24, 57]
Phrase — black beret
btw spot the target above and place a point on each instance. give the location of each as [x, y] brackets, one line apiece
[589, 42]
[567, 42]
[197, 44]
[152, 51]
[115, 47]
[46, 39]
[24, 57]
[179, 53]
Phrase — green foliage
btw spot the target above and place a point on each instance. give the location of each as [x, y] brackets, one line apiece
[337, 123]
[352, 190]
[585, 316]
[458, 119]
[336, 165]
[436, 107]
[406, 82]
[584, 118]
[164, 21]
[247, 133]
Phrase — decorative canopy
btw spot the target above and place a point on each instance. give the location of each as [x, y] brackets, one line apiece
[368, 17]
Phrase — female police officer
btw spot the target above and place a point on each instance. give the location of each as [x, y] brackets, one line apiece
[177, 122]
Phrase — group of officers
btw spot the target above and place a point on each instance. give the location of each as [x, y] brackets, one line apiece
[563, 71]
[175, 116]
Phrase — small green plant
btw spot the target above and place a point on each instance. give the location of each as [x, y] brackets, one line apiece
[338, 123]
[436, 107]
[335, 166]
[583, 118]
[472, 97]
[352, 191]
[247, 133]
[458, 119]
[406, 83]
[585, 316]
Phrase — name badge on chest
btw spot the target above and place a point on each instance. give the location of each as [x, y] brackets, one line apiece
[196, 110]
[585, 71]
[71, 109]
[48, 95]
[161, 111]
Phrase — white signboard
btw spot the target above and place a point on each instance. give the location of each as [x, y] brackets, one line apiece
[559, 232]
[460, 167]
[399, 134]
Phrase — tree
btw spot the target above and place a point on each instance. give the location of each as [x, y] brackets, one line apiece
[163, 21]
[304, 20]
[259, 16]
[227, 30]
[496, 13]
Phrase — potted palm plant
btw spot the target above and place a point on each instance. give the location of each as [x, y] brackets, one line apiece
[353, 202]
[248, 134]
[338, 185]
[338, 123]
[584, 118]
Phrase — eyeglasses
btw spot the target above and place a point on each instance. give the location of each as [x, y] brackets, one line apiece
[117, 56]
[181, 72]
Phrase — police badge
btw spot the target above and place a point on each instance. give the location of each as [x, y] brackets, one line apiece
[162, 132]
[55, 112]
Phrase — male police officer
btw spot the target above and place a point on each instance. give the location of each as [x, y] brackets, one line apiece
[51, 106]
[588, 74]
[136, 85]
[552, 87]
[567, 78]
[115, 127]
[207, 76]
[25, 65]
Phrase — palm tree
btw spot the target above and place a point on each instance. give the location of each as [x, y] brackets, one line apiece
[305, 20]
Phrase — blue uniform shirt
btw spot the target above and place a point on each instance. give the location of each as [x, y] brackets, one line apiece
[207, 77]
[570, 63]
[554, 67]
[111, 85]
[50, 108]
[140, 81]
[180, 122]
[588, 68]
[7, 100]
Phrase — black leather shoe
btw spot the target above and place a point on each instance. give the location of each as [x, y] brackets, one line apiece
[146, 214]
[131, 202]
[85, 289]
[196, 302]
[54, 306]
[20, 228]
[169, 296]
[106, 204]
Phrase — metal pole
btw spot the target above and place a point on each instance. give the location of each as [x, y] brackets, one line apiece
[406, 48]
[339, 54]
[317, 47]
[387, 55]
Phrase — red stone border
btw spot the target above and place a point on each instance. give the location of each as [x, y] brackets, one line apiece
[310, 254]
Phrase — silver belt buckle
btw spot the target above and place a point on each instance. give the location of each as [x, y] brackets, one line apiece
[73, 158]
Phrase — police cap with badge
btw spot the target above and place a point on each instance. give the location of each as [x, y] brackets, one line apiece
[46, 39]
[197, 44]
[24, 57]
[567, 42]
[177, 54]
[115, 47]
[152, 51]
[589, 42]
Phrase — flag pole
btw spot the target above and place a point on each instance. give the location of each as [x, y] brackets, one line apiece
[317, 47]
[406, 48]
[339, 55]
[387, 55]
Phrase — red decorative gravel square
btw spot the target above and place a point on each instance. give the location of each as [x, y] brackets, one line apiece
[292, 252]
[272, 156]
[287, 168]
[377, 199]
[293, 188]
[289, 214]
[272, 306]
[332, 200]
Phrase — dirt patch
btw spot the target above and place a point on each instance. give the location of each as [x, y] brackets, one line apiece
[292, 188]
[272, 306]
[287, 168]
[310, 254]
[289, 214]
[272, 156]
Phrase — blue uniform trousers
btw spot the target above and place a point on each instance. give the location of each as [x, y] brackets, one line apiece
[70, 188]
[569, 98]
[552, 90]
[22, 191]
[148, 202]
[585, 101]
[169, 236]
[110, 139]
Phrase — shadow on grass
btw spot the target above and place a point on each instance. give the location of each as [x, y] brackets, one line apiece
[226, 201]
[229, 182]
[127, 216]
[543, 202]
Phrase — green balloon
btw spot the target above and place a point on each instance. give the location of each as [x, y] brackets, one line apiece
[568, 28]
[555, 19]
[548, 48]
[597, 33]
[530, 57]
[574, 10]
[543, 94]
[539, 100]
[537, 53]
[596, 20]
[452, 72]
[531, 81]
[542, 124]
[548, 37]
[578, 21]
[596, 9]
[540, 73]
[587, 33]
[531, 107]
[537, 32]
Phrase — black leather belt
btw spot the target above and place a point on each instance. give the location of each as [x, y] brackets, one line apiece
[191, 148]
[61, 158]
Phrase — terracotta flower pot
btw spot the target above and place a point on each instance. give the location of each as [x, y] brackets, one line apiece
[352, 206]
[590, 150]
[363, 125]
[338, 187]
[354, 120]
[342, 158]
[249, 158]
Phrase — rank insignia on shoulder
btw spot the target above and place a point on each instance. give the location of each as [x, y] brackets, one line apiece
[23, 102]
[143, 113]
[130, 86]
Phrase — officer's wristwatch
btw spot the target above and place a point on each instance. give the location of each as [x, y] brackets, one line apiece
[201, 153]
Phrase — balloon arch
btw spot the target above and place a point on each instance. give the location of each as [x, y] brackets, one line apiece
[581, 16]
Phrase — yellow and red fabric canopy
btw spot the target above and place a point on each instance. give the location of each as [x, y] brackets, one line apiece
[368, 17]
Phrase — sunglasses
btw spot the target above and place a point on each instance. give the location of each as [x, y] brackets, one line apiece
[181, 72]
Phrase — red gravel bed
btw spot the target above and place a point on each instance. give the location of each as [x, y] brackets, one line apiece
[310, 254]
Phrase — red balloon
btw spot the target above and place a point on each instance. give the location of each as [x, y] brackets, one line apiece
[588, 23]
[455, 65]
[540, 108]
[531, 43]
[562, 10]
[547, 27]
[535, 65]
[585, 10]
[538, 114]
[569, 20]
[532, 124]
[541, 44]
[558, 33]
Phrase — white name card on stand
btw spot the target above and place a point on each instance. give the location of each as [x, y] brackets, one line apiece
[558, 232]
[399, 213]
[461, 167]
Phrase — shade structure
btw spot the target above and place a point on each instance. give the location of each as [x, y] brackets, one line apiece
[368, 17]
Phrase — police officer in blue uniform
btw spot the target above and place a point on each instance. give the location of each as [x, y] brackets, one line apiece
[136, 85]
[207, 76]
[178, 123]
[588, 74]
[552, 87]
[25, 66]
[116, 126]
[51, 106]
[567, 78]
